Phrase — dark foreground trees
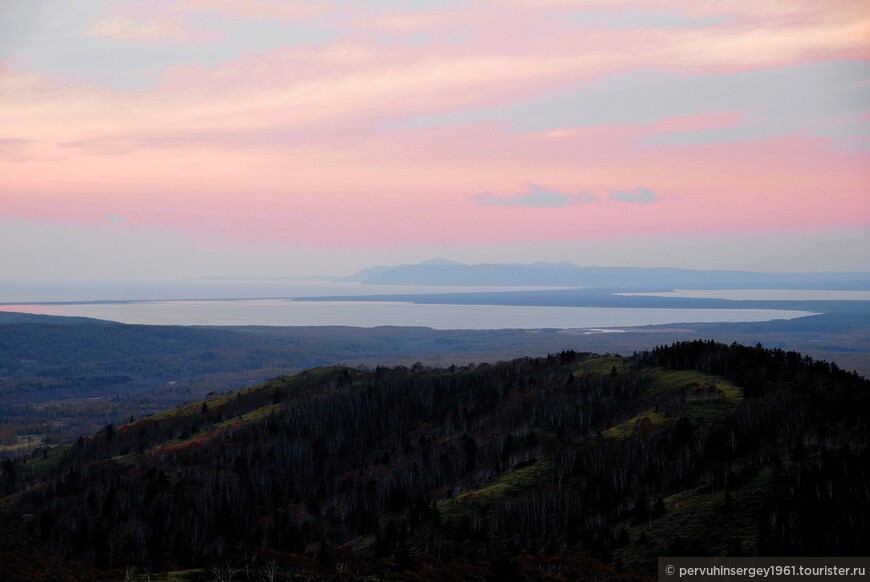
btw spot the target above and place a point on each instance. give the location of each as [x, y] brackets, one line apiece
[528, 465]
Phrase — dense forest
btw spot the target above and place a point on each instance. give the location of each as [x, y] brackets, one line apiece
[61, 377]
[560, 467]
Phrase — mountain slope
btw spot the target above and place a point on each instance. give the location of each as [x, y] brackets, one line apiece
[530, 468]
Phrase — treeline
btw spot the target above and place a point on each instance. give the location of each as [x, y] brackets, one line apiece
[554, 456]
[751, 367]
[103, 371]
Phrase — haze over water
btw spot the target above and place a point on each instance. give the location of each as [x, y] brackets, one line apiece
[240, 302]
[373, 314]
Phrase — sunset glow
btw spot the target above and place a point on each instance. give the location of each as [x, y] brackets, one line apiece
[247, 133]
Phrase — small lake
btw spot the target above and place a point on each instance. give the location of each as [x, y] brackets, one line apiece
[392, 313]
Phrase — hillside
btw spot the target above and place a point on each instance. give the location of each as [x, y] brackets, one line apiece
[64, 377]
[553, 468]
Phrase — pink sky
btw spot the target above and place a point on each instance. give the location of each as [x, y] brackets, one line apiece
[369, 132]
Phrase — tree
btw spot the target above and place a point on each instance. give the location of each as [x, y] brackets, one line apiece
[224, 572]
[269, 571]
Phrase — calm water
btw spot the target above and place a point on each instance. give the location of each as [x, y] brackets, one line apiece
[373, 314]
[38, 291]
[761, 294]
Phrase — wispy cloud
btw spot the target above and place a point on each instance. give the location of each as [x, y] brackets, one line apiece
[635, 18]
[536, 197]
[637, 196]
[124, 28]
[310, 123]
[245, 9]
[12, 149]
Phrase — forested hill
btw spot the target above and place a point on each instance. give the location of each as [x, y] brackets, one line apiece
[557, 468]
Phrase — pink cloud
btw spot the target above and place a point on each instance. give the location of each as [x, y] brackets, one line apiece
[124, 28]
[776, 183]
[245, 9]
[288, 146]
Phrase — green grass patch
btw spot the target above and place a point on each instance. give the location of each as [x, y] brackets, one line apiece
[710, 412]
[319, 373]
[251, 417]
[22, 443]
[192, 409]
[603, 365]
[669, 380]
[710, 399]
[203, 437]
[364, 545]
[645, 421]
[701, 516]
[507, 485]
[40, 468]
[217, 402]
[698, 385]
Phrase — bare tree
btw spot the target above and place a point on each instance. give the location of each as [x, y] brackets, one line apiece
[224, 572]
[249, 567]
[269, 571]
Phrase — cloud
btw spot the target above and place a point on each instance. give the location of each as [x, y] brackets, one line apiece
[250, 9]
[637, 196]
[12, 149]
[125, 28]
[622, 18]
[536, 197]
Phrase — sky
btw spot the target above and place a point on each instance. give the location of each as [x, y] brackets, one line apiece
[182, 138]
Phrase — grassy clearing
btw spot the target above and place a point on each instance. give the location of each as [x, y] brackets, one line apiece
[710, 399]
[701, 516]
[203, 437]
[192, 409]
[217, 402]
[697, 385]
[364, 545]
[508, 485]
[41, 468]
[665, 381]
[22, 443]
[251, 417]
[318, 373]
[637, 424]
[603, 365]
[705, 398]
[710, 412]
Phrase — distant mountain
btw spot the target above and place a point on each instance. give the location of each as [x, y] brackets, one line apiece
[561, 468]
[370, 275]
[564, 274]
